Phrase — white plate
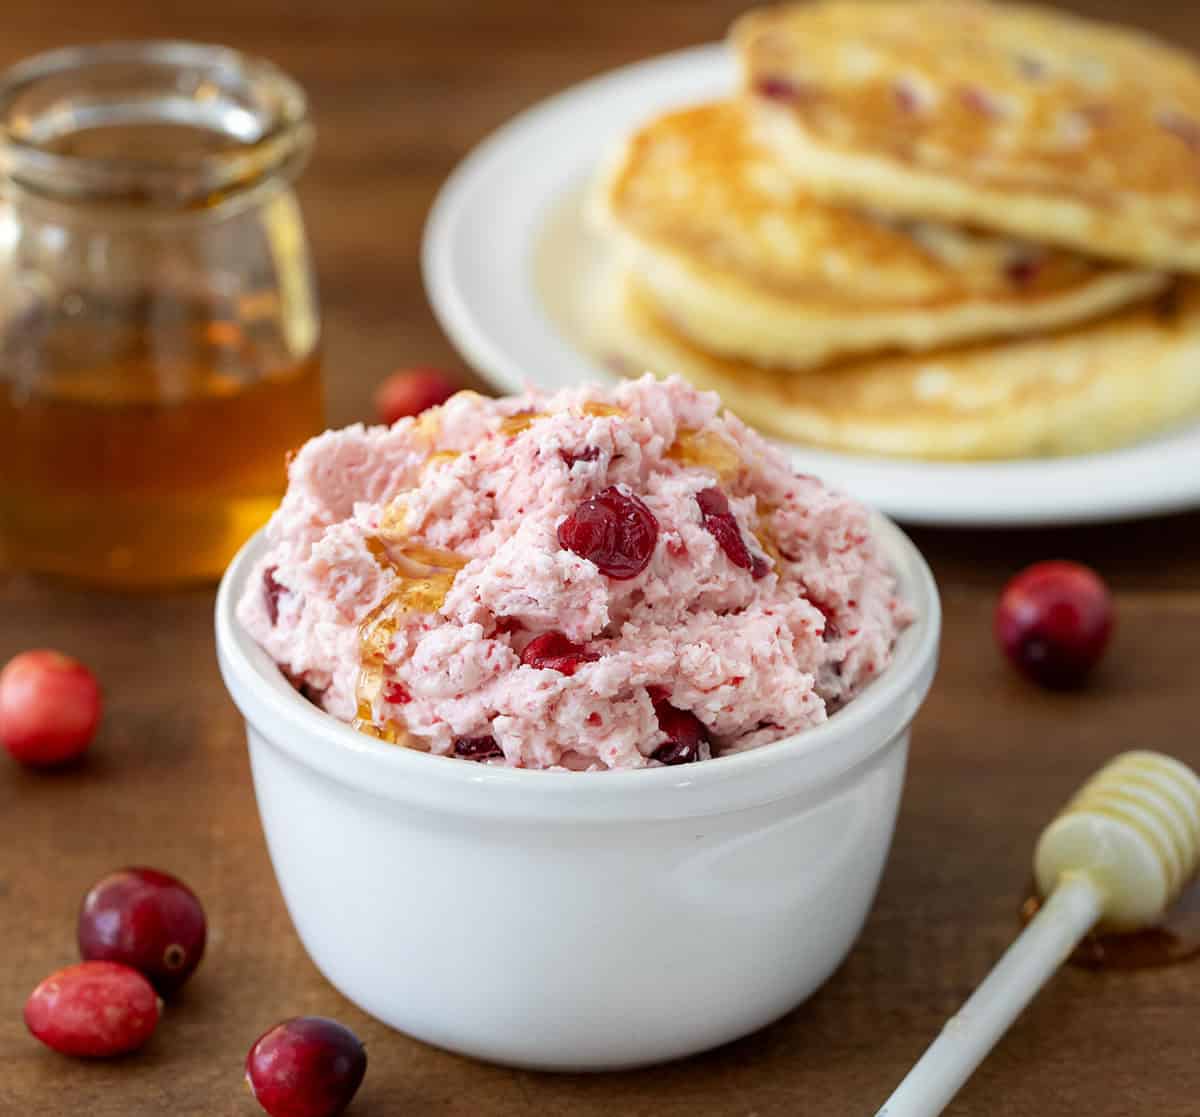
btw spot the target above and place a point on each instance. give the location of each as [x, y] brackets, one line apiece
[506, 292]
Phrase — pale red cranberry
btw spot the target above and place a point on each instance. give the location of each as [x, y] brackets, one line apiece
[411, 391]
[145, 919]
[554, 652]
[1053, 621]
[309, 1066]
[49, 708]
[613, 529]
[93, 1010]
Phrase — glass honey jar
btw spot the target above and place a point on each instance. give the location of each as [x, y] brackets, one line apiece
[158, 318]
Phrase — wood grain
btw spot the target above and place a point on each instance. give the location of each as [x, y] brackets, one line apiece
[400, 92]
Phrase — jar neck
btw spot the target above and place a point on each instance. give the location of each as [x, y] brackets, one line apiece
[169, 127]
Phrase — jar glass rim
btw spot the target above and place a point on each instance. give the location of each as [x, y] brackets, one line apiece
[255, 107]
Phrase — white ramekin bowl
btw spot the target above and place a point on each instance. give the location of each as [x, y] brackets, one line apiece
[579, 920]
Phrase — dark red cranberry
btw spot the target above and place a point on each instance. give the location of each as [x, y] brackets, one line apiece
[1053, 621]
[685, 733]
[307, 1067]
[570, 457]
[397, 694]
[93, 1010]
[477, 748]
[613, 529]
[554, 652]
[271, 591]
[147, 920]
[721, 525]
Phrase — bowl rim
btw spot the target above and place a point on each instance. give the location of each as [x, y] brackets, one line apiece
[850, 738]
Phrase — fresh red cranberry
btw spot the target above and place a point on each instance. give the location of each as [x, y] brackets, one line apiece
[685, 733]
[93, 1010]
[147, 920]
[613, 529]
[554, 652]
[49, 708]
[721, 525]
[412, 391]
[570, 457]
[477, 748]
[306, 1067]
[1053, 621]
[271, 591]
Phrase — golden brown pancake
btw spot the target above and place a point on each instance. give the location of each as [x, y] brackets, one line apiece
[1084, 389]
[1002, 116]
[746, 262]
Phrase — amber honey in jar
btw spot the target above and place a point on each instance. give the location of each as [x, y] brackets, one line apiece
[158, 320]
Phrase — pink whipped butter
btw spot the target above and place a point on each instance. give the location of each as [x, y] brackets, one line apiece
[594, 579]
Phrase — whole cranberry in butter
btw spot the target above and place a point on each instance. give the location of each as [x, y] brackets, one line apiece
[612, 529]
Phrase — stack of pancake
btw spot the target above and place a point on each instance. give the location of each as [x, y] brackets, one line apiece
[939, 229]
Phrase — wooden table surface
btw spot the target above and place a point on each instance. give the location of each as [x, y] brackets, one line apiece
[401, 91]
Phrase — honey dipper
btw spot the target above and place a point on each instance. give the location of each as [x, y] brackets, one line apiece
[1119, 853]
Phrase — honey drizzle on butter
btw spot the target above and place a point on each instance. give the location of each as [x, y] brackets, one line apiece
[765, 536]
[421, 579]
[521, 421]
[601, 410]
[439, 456]
[705, 450]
